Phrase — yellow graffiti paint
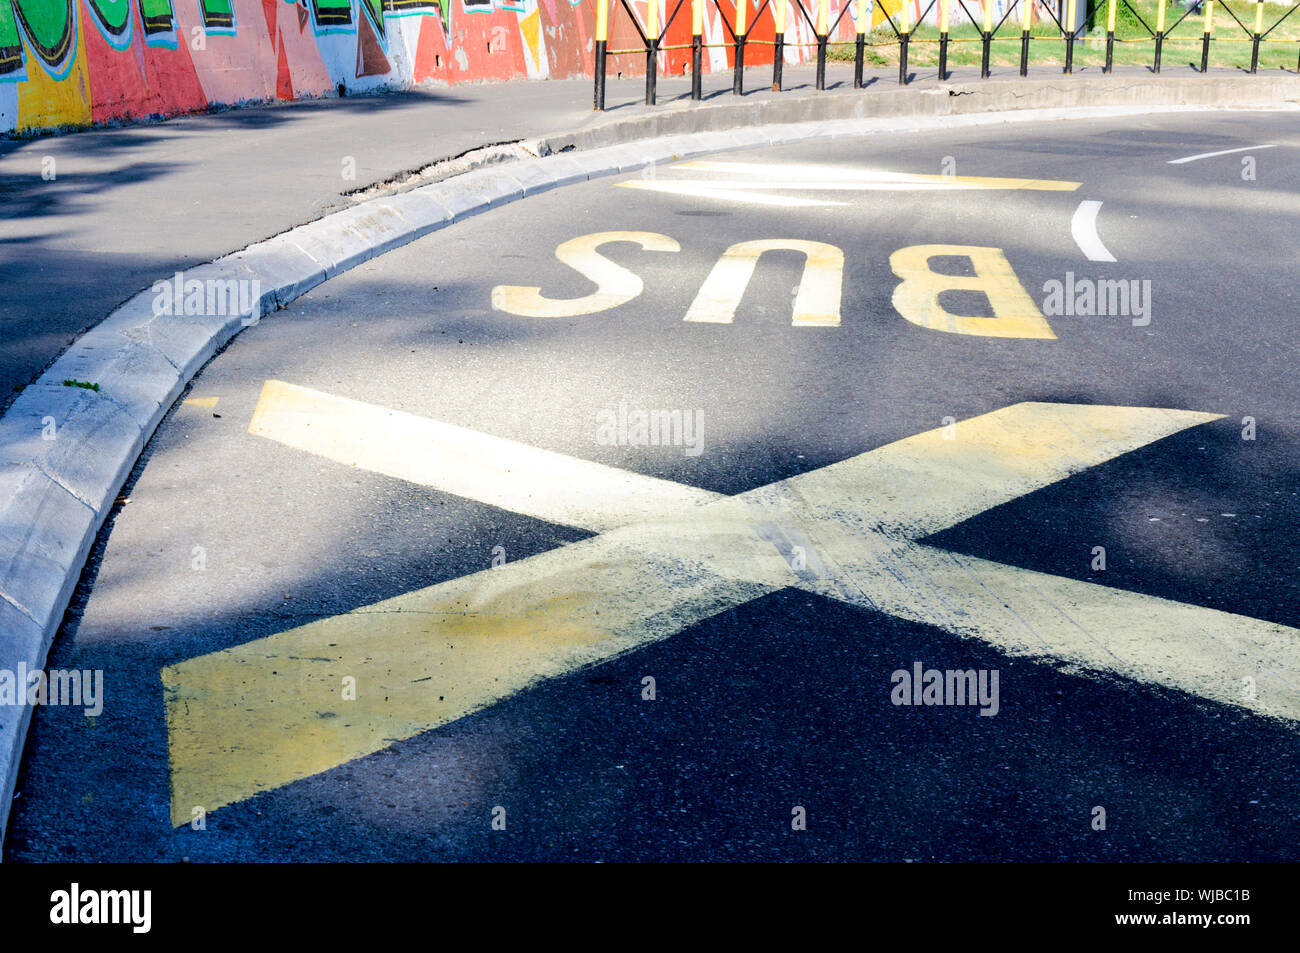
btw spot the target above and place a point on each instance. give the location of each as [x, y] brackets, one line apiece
[816, 303]
[44, 102]
[529, 29]
[1015, 315]
[615, 285]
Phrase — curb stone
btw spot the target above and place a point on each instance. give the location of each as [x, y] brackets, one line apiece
[65, 452]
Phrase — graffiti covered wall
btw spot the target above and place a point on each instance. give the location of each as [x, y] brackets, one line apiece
[81, 62]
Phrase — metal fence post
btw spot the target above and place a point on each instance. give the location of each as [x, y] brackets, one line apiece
[778, 46]
[1160, 33]
[1071, 12]
[903, 36]
[943, 39]
[652, 52]
[1205, 40]
[602, 37]
[822, 15]
[1110, 36]
[1259, 25]
[1025, 16]
[738, 79]
[987, 38]
[860, 46]
[697, 48]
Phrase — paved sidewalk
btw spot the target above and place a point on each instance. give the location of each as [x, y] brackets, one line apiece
[130, 205]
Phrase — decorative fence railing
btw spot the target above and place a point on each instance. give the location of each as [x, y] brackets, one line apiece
[760, 26]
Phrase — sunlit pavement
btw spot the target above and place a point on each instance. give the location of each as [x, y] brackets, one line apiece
[563, 638]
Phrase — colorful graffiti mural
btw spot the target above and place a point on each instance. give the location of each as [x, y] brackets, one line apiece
[79, 62]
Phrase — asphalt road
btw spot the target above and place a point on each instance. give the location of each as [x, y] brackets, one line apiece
[778, 698]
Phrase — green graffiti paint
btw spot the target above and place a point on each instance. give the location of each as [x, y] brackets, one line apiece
[376, 10]
[48, 25]
[157, 16]
[114, 17]
[11, 47]
[332, 12]
[217, 14]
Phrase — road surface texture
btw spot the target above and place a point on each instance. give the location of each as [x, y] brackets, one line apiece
[404, 576]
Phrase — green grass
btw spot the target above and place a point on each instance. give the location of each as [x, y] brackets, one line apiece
[76, 383]
[1134, 46]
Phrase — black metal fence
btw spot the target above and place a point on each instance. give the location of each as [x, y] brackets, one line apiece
[824, 23]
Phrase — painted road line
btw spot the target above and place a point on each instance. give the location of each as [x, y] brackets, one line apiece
[705, 191]
[539, 483]
[1192, 649]
[269, 712]
[261, 715]
[1224, 152]
[796, 175]
[1083, 226]
[751, 181]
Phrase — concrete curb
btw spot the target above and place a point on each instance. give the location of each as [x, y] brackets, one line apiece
[940, 99]
[66, 451]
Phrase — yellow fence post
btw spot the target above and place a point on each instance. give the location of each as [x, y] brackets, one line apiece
[738, 81]
[1071, 11]
[652, 50]
[602, 38]
[1205, 40]
[904, 35]
[1110, 35]
[823, 18]
[697, 48]
[778, 47]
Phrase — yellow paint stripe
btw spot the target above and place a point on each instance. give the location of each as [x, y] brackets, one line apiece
[796, 175]
[264, 714]
[255, 717]
[697, 190]
[539, 483]
[919, 183]
[206, 403]
[1192, 649]
[922, 484]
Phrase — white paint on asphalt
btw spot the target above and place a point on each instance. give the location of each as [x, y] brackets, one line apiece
[753, 182]
[1224, 152]
[1083, 226]
[718, 190]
